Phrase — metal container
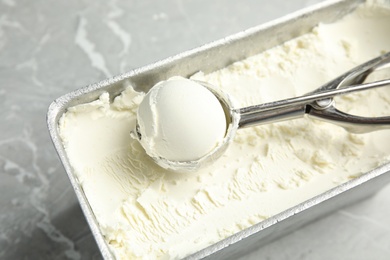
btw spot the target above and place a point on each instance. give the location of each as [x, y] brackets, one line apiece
[209, 58]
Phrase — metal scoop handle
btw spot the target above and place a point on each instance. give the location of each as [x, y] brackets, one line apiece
[319, 103]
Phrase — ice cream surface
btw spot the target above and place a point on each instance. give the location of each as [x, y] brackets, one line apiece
[147, 212]
[180, 120]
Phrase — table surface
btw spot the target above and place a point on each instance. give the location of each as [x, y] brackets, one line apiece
[49, 48]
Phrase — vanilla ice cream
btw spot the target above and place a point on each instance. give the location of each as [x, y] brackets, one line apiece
[180, 120]
[147, 212]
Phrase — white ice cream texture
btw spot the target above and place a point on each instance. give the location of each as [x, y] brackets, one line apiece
[146, 212]
[180, 120]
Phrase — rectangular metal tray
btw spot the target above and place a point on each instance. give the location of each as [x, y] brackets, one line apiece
[209, 58]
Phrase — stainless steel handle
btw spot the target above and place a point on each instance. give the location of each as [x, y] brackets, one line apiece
[353, 124]
[318, 104]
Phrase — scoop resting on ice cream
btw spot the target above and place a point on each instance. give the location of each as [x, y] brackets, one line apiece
[182, 121]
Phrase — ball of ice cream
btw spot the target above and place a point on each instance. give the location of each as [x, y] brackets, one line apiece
[180, 120]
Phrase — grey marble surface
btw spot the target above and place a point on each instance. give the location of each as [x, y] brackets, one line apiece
[49, 48]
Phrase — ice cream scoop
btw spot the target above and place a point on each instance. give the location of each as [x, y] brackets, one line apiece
[184, 124]
[180, 120]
